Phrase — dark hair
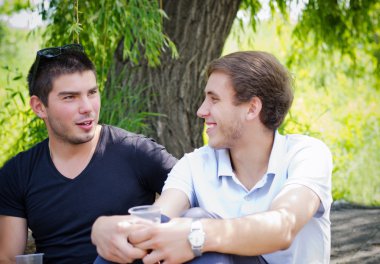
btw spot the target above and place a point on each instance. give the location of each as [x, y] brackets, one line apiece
[50, 69]
[257, 73]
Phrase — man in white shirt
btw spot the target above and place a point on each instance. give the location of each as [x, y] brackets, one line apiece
[272, 192]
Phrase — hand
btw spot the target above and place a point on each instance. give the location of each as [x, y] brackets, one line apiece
[110, 236]
[167, 242]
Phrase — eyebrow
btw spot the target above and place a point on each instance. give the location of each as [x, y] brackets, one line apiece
[211, 93]
[75, 92]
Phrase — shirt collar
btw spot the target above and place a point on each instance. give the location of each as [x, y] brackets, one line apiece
[275, 158]
[277, 154]
[224, 162]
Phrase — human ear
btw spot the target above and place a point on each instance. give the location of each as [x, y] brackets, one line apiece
[37, 106]
[254, 109]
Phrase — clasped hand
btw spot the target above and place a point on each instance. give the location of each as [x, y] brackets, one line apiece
[123, 239]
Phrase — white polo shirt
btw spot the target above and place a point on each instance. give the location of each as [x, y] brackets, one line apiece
[207, 178]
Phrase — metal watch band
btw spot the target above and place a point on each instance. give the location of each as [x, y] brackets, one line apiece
[196, 237]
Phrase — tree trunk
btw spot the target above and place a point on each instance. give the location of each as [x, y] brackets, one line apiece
[199, 29]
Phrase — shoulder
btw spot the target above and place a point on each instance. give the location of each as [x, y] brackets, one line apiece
[203, 154]
[30, 155]
[296, 142]
[135, 143]
[308, 151]
[27, 160]
[122, 137]
[117, 134]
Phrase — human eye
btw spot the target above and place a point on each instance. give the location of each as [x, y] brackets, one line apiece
[93, 92]
[68, 97]
[214, 99]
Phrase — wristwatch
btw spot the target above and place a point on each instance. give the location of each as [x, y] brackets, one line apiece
[196, 237]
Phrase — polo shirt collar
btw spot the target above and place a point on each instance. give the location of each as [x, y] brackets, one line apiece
[224, 163]
[275, 158]
[277, 154]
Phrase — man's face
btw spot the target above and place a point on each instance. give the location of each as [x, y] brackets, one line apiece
[224, 120]
[73, 108]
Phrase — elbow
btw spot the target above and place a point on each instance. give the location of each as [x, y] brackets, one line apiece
[288, 230]
[286, 243]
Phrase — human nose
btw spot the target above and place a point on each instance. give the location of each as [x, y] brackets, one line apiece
[203, 110]
[85, 105]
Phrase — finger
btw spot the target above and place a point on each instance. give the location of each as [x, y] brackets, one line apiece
[128, 251]
[127, 227]
[153, 257]
[141, 234]
[121, 251]
[139, 220]
[114, 256]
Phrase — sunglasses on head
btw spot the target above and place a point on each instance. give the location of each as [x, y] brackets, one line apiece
[52, 53]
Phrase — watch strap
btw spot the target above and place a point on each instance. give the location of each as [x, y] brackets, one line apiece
[197, 229]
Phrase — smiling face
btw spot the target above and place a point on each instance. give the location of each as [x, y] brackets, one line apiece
[73, 108]
[224, 119]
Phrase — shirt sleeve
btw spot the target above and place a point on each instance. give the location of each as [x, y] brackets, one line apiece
[11, 192]
[180, 178]
[311, 166]
[154, 163]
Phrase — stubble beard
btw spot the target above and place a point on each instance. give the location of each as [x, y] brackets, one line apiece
[64, 134]
[230, 134]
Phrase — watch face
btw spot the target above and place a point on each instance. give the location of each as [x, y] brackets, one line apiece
[197, 238]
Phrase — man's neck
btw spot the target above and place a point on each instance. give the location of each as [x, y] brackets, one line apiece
[71, 159]
[251, 158]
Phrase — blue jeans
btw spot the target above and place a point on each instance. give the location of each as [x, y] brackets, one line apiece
[208, 257]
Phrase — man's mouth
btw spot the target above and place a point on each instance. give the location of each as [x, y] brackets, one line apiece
[85, 123]
[210, 125]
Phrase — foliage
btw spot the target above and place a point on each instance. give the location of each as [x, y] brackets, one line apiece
[327, 26]
[354, 21]
[10, 7]
[120, 97]
[346, 26]
[253, 6]
[101, 25]
[21, 128]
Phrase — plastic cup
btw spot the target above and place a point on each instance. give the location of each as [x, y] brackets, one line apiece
[30, 258]
[148, 212]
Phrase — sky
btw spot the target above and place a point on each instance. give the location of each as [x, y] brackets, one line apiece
[24, 19]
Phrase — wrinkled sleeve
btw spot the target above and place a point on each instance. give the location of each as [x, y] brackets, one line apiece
[180, 178]
[154, 163]
[311, 166]
[11, 193]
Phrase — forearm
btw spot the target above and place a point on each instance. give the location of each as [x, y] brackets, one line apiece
[251, 235]
[4, 260]
[264, 232]
[173, 202]
[13, 237]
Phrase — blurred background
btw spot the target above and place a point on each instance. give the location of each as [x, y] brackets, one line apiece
[151, 56]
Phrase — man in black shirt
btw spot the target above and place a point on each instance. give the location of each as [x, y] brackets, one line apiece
[81, 171]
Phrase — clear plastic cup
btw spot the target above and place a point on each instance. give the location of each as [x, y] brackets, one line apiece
[148, 212]
[30, 258]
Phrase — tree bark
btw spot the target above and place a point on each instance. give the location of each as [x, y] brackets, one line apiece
[199, 29]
